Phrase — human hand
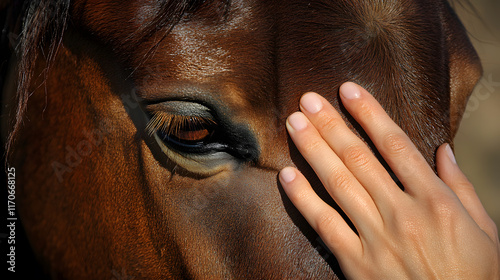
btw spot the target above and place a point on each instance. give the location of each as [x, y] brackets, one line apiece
[435, 229]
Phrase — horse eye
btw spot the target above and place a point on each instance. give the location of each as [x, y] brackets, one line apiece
[192, 131]
[184, 133]
[187, 130]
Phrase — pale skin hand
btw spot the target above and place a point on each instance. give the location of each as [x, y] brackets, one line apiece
[436, 229]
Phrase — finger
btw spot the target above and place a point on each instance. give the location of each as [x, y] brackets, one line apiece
[452, 176]
[391, 141]
[325, 220]
[353, 152]
[337, 179]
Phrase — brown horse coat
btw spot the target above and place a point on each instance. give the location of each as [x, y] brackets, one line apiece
[98, 194]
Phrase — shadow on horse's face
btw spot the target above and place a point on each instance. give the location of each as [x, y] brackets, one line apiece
[160, 157]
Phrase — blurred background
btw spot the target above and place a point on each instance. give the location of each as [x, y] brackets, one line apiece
[477, 144]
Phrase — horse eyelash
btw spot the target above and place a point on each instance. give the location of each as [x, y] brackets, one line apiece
[170, 124]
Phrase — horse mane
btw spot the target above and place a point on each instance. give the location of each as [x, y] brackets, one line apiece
[34, 20]
[40, 25]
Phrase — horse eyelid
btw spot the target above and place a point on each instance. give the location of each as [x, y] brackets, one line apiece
[172, 124]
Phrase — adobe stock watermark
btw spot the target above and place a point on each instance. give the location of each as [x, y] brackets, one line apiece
[11, 219]
[483, 91]
[91, 140]
[121, 275]
[84, 148]
[323, 251]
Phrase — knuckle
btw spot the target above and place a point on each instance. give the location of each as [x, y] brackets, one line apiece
[326, 224]
[366, 111]
[311, 146]
[444, 210]
[341, 180]
[464, 184]
[356, 156]
[494, 228]
[329, 123]
[396, 143]
[443, 206]
[299, 195]
[465, 193]
[491, 227]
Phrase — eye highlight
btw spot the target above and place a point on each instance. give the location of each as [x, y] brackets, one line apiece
[180, 129]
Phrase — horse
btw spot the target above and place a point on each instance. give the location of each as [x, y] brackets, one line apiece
[147, 136]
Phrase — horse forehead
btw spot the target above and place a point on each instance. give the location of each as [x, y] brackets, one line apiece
[305, 45]
[270, 37]
[266, 54]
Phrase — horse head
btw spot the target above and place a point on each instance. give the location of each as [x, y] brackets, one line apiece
[154, 143]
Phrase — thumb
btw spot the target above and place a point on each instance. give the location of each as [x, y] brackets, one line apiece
[452, 176]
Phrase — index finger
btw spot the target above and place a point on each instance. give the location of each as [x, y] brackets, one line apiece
[391, 141]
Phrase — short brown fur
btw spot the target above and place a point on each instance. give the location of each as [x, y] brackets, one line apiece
[98, 195]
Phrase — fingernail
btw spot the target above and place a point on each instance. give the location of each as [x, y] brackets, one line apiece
[311, 102]
[451, 156]
[350, 91]
[287, 175]
[297, 121]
